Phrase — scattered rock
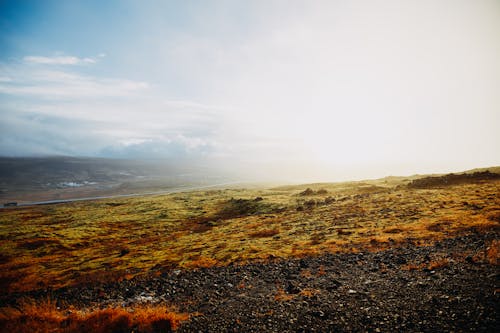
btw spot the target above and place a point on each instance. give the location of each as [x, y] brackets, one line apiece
[242, 298]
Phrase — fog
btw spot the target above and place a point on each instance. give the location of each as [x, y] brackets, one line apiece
[271, 90]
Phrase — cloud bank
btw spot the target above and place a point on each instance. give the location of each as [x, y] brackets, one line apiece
[62, 112]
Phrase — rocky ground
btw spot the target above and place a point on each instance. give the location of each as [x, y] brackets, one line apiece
[450, 286]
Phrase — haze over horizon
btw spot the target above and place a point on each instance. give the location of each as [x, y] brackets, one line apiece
[312, 90]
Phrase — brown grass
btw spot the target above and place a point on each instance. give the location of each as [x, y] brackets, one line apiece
[282, 296]
[431, 265]
[265, 233]
[309, 292]
[440, 263]
[412, 267]
[201, 263]
[305, 273]
[393, 231]
[493, 252]
[46, 317]
[109, 240]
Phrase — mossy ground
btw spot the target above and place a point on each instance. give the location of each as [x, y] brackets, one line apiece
[106, 240]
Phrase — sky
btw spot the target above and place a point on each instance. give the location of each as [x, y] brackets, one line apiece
[298, 90]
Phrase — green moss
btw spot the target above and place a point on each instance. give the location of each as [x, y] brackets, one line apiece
[165, 231]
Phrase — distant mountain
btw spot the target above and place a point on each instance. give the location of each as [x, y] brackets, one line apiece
[45, 178]
[53, 170]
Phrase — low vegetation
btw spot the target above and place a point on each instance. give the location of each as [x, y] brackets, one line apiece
[78, 243]
[453, 179]
[82, 243]
[31, 317]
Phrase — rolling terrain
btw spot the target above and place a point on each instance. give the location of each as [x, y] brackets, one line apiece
[25, 180]
[408, 254]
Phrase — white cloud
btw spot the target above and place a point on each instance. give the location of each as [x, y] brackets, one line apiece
[69, 112]
[52, 84]
[58, 60]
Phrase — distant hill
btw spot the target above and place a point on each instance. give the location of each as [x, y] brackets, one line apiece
[494, 169]
[453, 179]
[394, 180]
[53, 170]
[47, 178]
[52, 178]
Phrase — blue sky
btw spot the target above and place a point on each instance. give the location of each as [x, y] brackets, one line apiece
[320, 89]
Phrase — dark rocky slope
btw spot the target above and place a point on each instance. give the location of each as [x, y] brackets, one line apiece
[450, 286]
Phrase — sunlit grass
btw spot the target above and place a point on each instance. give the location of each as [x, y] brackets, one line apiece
[109, 240]
[45, 316]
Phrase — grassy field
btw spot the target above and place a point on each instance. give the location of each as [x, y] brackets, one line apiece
[108, 240]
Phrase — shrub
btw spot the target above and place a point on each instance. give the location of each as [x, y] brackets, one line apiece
[243, 207]
[307, 191]
[344, 232]
[265, 233]
[310, 203]
[393, 231]
[329, 200]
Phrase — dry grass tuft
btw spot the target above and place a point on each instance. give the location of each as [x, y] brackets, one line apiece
[344, 232]
[282, 296]
[201, 263]
[393, 230]
[46, 317]
[440, 263]
[437, 227]
[431, 265]
[412, 267]
[493, 252]
[309, 292]
[305, 273]
[309, 191]
[265, 233]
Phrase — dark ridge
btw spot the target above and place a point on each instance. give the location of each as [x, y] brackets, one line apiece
[453, 179]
